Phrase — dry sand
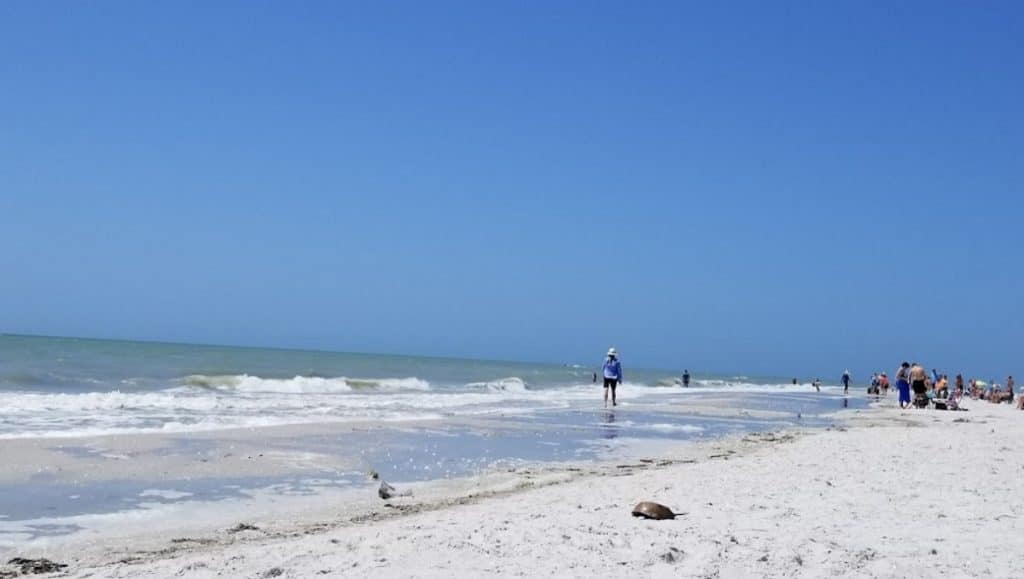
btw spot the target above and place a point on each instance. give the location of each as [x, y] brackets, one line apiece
[891, 494]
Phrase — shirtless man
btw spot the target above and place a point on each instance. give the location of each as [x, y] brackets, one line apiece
[918, 381]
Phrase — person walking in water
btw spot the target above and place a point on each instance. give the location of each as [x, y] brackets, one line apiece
[686, 378]
[612, 371]
[846, 382]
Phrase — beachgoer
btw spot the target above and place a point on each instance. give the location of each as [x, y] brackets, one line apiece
[595, 378]
[960, 381]
[686, 378]
[1006, 395]
[903, 384]
[875, 387]
[612, 371]
[919, 384]
[883, 381]
[846, 382]
[956, 398]
[817, 384]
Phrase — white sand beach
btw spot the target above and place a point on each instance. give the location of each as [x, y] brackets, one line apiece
[889, 494]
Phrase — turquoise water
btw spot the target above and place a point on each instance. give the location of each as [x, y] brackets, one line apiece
[60, 387]
[407, 418]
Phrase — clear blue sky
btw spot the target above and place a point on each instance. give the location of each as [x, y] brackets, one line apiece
[759, 187]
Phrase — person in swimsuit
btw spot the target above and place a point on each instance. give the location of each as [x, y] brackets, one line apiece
[612, 371]
[846, 382]
[903, 384]
[918, 382]
[1004, 395]
[686, 378]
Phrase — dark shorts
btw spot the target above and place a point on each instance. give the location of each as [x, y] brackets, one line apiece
[919, 388]
[611, 382]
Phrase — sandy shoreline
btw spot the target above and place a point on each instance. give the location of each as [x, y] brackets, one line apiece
[891, 494]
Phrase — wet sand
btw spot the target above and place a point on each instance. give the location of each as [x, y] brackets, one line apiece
[890, 494]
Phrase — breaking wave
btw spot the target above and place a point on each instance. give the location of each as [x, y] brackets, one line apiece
[302, 384]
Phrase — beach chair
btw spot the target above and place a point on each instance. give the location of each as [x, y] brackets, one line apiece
[941, 400]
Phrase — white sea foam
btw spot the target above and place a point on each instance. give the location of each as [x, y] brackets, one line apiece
[207, 403]
[664, 427]
[269, 403]
[302, 384]
[171, 495]
[730, 386]
[511, 384]
[658, 427]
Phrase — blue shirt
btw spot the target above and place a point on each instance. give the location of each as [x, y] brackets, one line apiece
[613, 369]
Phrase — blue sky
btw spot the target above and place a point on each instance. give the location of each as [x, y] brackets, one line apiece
[774, 188]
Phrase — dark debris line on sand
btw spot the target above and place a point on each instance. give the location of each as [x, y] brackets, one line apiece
[240, 527]
[24, 566]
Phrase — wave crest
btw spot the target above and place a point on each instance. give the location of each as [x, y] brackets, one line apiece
[302, 384]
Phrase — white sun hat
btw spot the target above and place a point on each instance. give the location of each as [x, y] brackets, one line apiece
[612, 352]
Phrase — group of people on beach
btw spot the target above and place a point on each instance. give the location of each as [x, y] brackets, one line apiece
[914, 385]
[917, 388]
[979, 390]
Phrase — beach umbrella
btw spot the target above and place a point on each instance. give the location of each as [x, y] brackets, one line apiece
[980, 383]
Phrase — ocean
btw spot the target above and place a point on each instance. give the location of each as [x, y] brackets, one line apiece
[71, 387]
[97, 427]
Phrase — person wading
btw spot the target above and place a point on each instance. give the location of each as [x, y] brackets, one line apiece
[612, 371]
